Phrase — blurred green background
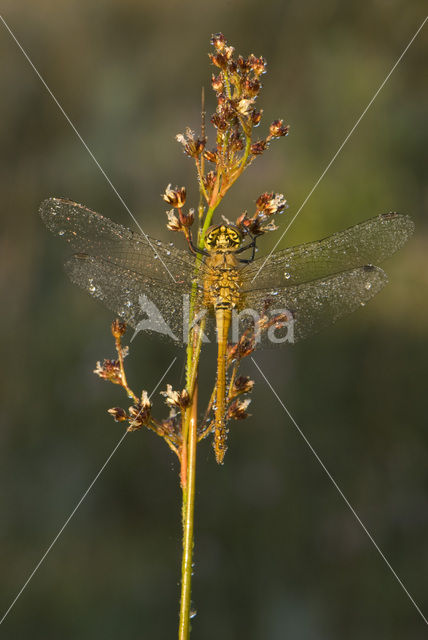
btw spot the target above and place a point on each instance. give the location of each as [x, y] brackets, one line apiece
[278, 553]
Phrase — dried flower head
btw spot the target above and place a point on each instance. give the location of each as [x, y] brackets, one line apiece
[242, 384]
[243, 348]
[259, 147]
[277, 129]
[118, 414]
[217, 82]
[211, 156]
[193, 147]
[140, 413]
[238, 409]
[270, 203]
[118, 328]
[175, 197]
[176, 399]
[109, 370]
[173, 223]
[218, 41]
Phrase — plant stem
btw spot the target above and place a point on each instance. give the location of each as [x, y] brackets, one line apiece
[188, 520]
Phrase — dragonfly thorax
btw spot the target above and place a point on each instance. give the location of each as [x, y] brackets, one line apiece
[223, 238]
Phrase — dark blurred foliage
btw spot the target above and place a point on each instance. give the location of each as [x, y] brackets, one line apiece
[278, 553]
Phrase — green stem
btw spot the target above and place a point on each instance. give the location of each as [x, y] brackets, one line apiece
[188, 521]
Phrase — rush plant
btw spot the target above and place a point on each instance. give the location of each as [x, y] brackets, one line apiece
[236, 84]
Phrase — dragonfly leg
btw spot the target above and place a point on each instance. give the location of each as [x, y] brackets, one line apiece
[193, 248]
[252, 246]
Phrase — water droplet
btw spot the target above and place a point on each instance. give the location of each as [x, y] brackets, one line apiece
[128, 304]
[92, 288]
[363, 304]
[287, 275]
[192, 613]
[168, 253]
[61, 233]
[368, 285]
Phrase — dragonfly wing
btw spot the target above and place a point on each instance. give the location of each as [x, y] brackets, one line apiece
[369, 242]
[314, 305]
[142, 302]
[88, 232]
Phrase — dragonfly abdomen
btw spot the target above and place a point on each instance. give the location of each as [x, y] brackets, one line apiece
[223, 315]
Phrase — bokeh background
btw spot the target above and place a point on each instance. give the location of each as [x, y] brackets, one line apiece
[278, 553]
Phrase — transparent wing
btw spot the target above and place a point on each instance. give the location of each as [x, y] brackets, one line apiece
[314, 305]
[369, 242]
[142, 302]
[89, 232]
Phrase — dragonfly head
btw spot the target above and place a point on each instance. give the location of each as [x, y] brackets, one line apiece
[223, 237]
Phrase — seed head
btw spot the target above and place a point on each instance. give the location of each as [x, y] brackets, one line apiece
[228, 52]
[257, 65]
[176, 398]
[192, 146]
[186, 219]
[219, 122]
[278, 129]
[256, 116]
[251, 88]
[238, 409]
[175, 197]
[217, 83]
[118, 414]
[209, 180]
[118, 328]
[218, 41]
[257, 148]
[218, 59]
[242, 348]
[245, 106]
[139, 414]
[211, 156]
[173, 223]
[235, 141]
[242, 384]
[270, 203]
[109, 370]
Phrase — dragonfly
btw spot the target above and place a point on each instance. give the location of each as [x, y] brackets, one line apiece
[148, 283]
